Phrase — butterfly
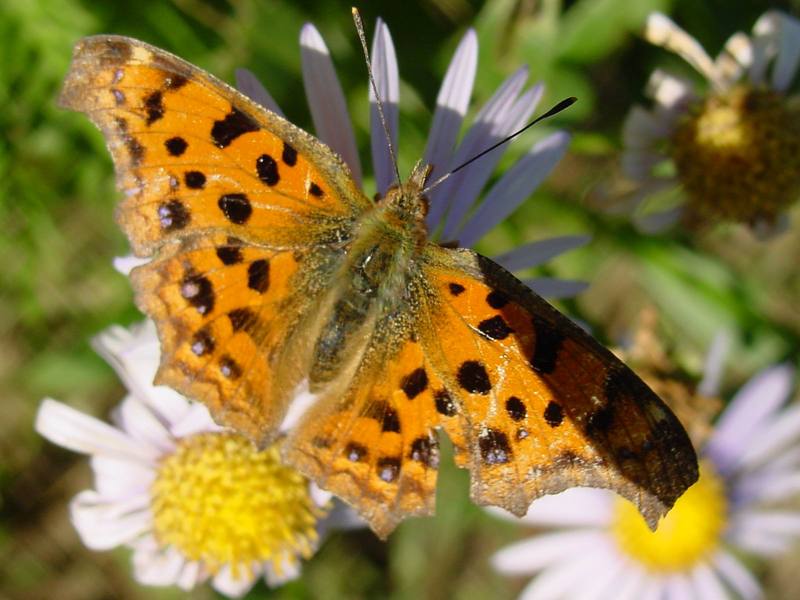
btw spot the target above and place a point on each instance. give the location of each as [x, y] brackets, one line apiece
[271, 272]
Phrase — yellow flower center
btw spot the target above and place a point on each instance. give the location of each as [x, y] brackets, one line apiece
[690, 532]
[220, 501]
[738, 156]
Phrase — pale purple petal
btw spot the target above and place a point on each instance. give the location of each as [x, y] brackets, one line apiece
[290, 570]
[639, 164]
[157, 565]
[234, 587]
[706, 584]
[387, 80]
[190, 575]
[635, 583]
[767, 487]
[340, 517]
[642, 128]
[765, 44]
[142, 425]
[749, 411]
[116, 478]
[481, 135]
[737, 576]
[126, 264]
[196, 420]
[576, 507]
[537, 253]
[105, 524]
[531, 555]
[766, 532]
[477, 174]
[715, 364]
[514, 187]
[772, 439]
[135, 353]
[452, 104]
[250, 86]
[76, 431]
[671, 94]
[662, 31]
[788, 57]
[678, 587]
[561, 580]
[551, 287]
[326, 99]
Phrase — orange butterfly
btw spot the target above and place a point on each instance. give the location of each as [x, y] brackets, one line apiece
[270, 271]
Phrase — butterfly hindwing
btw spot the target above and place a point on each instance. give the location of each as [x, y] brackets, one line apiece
[545, 406]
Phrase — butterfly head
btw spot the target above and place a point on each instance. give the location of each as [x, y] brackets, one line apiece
[406, 202]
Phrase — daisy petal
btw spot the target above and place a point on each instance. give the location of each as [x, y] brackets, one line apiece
[765, 45]
[642, 128]
[706, 584]
[290, 570]
[451, 104]
[736, 55]
[326, 99]
[126, 264]
[715, 363]
[234, 587]
[737, 576]
[766, 532]
[104, 524]
[662, 31]
[477, 174]
[480, 136]
[79, 432]
[772, 439]
[387, 80]
[553, 288]
[746, 415]
[190, 575]
[154, 565]
[559, 581]
[250, 86]
[135, 354]
[142, 425]
[536, 253]
[669, 92]
[118, 478]
[514, 187]
[678, 587]
[576, 507]
[788, 53]
[656, 222]
[531, 555]
[769, 488]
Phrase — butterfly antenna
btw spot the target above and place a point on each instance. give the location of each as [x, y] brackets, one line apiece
[381, 115]
[566, 103]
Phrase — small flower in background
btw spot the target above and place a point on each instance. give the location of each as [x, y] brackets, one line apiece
[596, 545]
[193, 501]
[735, 148]
[456, 213]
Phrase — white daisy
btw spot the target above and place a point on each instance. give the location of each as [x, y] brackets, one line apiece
[596, 545]
[193, 501]
[456, 212]
[734, 149]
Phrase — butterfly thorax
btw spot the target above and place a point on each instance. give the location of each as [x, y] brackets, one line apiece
[374, 276]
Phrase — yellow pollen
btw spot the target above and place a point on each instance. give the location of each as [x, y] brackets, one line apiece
[218, 500]
[689, 533]
[737, 155]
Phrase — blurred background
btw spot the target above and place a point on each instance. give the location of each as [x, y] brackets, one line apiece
[57, 239]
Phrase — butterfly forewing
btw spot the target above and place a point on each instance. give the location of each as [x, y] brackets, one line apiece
[194, 155]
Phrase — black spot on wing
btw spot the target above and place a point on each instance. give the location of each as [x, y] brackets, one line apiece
[547, 345]
[235, 124]
[414, 383]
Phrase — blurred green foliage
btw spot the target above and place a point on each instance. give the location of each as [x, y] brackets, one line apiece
[58, 288]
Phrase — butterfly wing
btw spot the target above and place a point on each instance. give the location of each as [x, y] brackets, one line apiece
[243, 213]
[542, 405]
